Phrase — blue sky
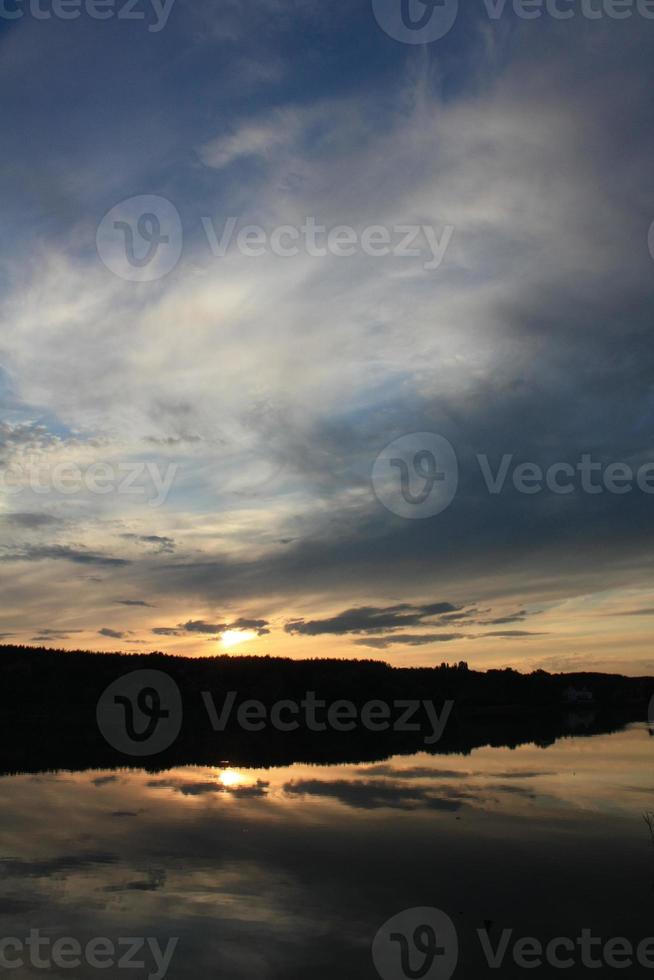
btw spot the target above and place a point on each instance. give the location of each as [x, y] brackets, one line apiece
[249, 396]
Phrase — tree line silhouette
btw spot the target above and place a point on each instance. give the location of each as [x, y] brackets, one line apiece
[49, 697]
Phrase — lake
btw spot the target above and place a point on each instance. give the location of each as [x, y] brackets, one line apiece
[291, 872]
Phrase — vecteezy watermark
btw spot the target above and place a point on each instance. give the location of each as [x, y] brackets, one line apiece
[424, 21]
[37, 475]
[156, 12]
[416, 21]
[141, 239]
[588, 475]
[98, 953]
[416, 476]
[416, 943]
[316, 715]
[423, 943]
[141, 714]
[340, 241]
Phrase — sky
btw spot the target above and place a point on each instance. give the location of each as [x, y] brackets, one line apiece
[324, 336]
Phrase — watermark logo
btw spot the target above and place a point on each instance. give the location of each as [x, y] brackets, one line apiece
[141, 239]
[416, 476]
[416, 944]
[423, 943]
[416, 21]
[41, 476]
[140, 714]
[424, 21]
[588, 475]
[41, 952]
[319, 241]
[156, 12]
[314, 714]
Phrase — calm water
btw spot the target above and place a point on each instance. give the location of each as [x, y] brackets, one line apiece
[289, 873]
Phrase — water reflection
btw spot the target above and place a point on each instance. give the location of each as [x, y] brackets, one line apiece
[289, 872]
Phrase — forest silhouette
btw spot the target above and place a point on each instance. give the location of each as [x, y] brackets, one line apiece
[49, 698]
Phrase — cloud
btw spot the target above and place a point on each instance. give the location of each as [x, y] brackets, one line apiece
[29, 521]
[199, 626]
[39, 553]
[647, 611]
[112, 634]
[186, 788]
[133, 602]
[408, 639]
[512, 633]
[370, 619]
[257, 138]
[259, 626]
[415, 772]
[33, 436]
[517, 617]
[374, 794]
[532, 338]
[154, 881]
[47, 635]
[161, 544]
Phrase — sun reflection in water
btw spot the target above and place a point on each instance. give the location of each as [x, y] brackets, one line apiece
[231, 779]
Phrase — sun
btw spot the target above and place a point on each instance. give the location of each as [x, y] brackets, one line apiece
[230, 638]
[229, 778]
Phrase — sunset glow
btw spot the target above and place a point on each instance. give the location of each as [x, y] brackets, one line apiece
[231, 638]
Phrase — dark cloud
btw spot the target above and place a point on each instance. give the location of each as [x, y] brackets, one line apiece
[161, 544]
[133, 602]
[171, 441]
[258, 789]
[154, 881]
[61, 865]
[512, 633]
[416, 772]
[369, 619]
[259, 626]
[46, 635]
[199, 626]
[29, 521]
[516, 617]
[461, 616]
[112, 634]
[63, 553]
[375, 794]
[408, 639]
